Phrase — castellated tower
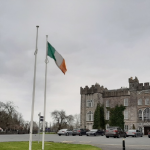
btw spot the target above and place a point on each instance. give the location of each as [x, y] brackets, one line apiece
[133, 83]
[89, 99]
[133, 86]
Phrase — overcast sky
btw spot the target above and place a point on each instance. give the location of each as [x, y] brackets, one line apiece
[103, 41]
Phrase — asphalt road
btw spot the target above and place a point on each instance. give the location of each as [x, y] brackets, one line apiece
[132, 143]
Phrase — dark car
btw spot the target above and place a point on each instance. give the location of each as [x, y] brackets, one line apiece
[79, 132]
[115, 132]
[149, 134]
[95, 132]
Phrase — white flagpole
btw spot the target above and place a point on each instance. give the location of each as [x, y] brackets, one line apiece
[33, 94]
[46, 61]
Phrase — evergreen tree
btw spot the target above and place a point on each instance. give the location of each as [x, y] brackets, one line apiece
[116, 116]
[102, 118]
[99, 121]
[96, 124]
[133, 126]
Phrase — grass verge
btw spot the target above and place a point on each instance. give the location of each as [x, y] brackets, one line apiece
[47, 146]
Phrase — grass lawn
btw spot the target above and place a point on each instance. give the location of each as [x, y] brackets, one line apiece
[48, 146]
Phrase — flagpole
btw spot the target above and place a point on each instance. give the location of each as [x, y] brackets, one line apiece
[33, 94]
[46, 61]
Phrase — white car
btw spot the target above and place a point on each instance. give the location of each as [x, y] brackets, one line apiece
[1, 130]
[134, 133]
[64, 132]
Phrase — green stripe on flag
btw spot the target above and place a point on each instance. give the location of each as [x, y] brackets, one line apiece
[51, 51]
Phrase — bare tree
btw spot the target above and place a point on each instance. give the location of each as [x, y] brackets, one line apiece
[59, 117]
[54, 127]
[10, 119]
[6, 114]
[69, 119]
[77, 120]
[62, 120]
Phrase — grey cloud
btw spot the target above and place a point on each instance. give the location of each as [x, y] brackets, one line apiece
[102, 41]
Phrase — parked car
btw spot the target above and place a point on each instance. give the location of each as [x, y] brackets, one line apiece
[115, 132]
[79, 132]
[64, 132]
[134, 133]
[1, 130]
[95, 132]
[149, 134]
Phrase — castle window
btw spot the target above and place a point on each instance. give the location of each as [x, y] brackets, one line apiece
[126, 102]
[107, 103]
[126, 114]
[140, 114]
[107, 115]
[146, 101]
[107, 126]
[89, 116]
[146, 114]
[140, 129]
[139, 101]
[126, 127]
[89, 103]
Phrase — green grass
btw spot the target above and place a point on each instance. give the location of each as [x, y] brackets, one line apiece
[47, 146]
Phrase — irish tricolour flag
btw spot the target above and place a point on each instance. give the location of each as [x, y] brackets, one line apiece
[59, 60]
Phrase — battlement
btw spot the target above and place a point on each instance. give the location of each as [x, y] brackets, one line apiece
[117, 92]
[145, 87]
[93, 89]
[131, 80]
[135, 85]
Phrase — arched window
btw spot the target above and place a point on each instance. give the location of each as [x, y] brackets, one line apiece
[140, 114]
[140, 128]
[139, 101]
[146, 114]
[89, 116]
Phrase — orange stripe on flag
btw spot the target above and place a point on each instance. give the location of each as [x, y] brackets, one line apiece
[63, 66]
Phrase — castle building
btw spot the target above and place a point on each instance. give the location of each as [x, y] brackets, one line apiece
[136, 98]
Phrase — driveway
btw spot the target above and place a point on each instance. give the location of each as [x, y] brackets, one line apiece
[139, 143]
